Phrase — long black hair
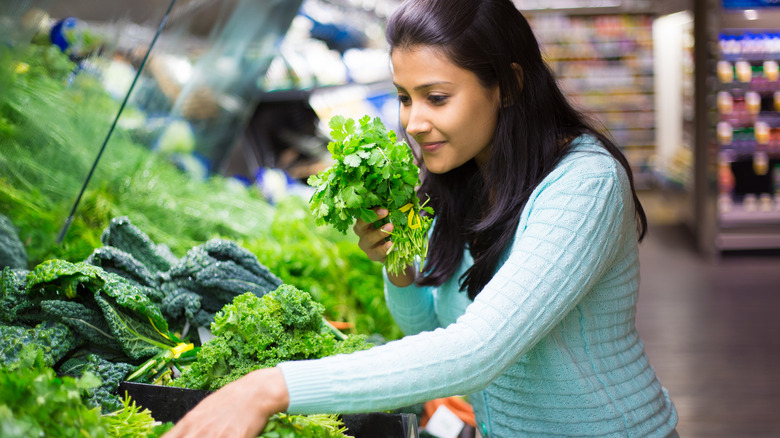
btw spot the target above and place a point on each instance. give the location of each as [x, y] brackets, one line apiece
[479, 209]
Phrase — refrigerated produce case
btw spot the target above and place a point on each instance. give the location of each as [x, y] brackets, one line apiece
[738, 127]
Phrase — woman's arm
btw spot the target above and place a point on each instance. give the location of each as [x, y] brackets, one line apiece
[412, 307]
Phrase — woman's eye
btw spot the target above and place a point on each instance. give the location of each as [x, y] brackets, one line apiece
[405, 100]
[437, 99]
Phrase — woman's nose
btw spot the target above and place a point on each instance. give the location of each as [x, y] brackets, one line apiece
[417, 122]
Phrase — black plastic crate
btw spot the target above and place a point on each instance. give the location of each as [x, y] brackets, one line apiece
[168, 403]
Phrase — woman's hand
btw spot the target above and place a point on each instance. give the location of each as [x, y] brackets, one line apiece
[374, 242]
[238, 410]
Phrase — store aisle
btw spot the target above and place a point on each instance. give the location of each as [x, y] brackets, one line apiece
[712, 332]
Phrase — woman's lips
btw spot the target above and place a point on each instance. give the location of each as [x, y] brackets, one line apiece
[431, 146]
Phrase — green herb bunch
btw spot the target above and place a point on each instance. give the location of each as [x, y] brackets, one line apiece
[372, 169]
[34, 402]
[304, 426]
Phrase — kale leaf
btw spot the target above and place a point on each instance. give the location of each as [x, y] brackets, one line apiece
[258, 332]
[111, 375]
[53, 339]
[135, 322]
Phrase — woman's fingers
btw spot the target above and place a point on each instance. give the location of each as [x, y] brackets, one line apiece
[373, 241]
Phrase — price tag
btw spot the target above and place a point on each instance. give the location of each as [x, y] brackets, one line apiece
[444, 423]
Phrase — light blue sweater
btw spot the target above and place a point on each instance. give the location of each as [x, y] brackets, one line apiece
[548, 348]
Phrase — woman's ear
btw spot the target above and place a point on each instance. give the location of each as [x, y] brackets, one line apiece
[505, 101]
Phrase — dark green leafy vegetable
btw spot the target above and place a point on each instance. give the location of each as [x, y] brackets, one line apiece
[85, 319]
[211, 275]
[123, 235]
[123, 264]
[12, 252]
[13, 294]
[134, 321]
[53, 339]
[254, 332]
[111, 375]
[372, 169]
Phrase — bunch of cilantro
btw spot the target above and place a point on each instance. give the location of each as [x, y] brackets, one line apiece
[372, 169]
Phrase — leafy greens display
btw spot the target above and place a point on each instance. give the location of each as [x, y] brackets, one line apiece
[372, 169]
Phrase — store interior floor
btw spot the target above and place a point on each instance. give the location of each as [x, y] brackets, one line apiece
[711, 328]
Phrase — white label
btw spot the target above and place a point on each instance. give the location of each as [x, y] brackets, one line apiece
[444, 423]
[205, 334]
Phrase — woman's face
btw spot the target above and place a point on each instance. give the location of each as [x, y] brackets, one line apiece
[445, 108]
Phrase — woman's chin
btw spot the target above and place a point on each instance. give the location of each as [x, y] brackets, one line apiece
[436, 166]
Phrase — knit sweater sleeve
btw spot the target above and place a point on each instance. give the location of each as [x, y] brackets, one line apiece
[573, 227]
[412, 307]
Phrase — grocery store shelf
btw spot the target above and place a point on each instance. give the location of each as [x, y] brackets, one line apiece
[737, 216]
[747, 241]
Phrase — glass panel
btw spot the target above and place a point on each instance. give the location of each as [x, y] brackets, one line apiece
[66, 69]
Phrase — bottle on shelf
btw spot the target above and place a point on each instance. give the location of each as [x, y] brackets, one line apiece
[726, 183]
[776, 185]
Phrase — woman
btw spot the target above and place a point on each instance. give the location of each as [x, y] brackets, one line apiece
[527, 301]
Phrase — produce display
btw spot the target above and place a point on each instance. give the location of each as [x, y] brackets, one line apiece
[151, 257]
[372, 169]
[102, 328]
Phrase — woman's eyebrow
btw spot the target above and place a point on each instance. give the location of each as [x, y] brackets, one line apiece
[423, 86]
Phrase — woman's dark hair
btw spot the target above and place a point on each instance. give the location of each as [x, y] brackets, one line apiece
[481, 210]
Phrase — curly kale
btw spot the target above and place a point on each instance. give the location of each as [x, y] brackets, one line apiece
[258, 332]
[53, 339]
[111, 375]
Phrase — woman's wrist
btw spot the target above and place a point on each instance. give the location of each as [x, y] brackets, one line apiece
[271, 387]
[404, 279]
